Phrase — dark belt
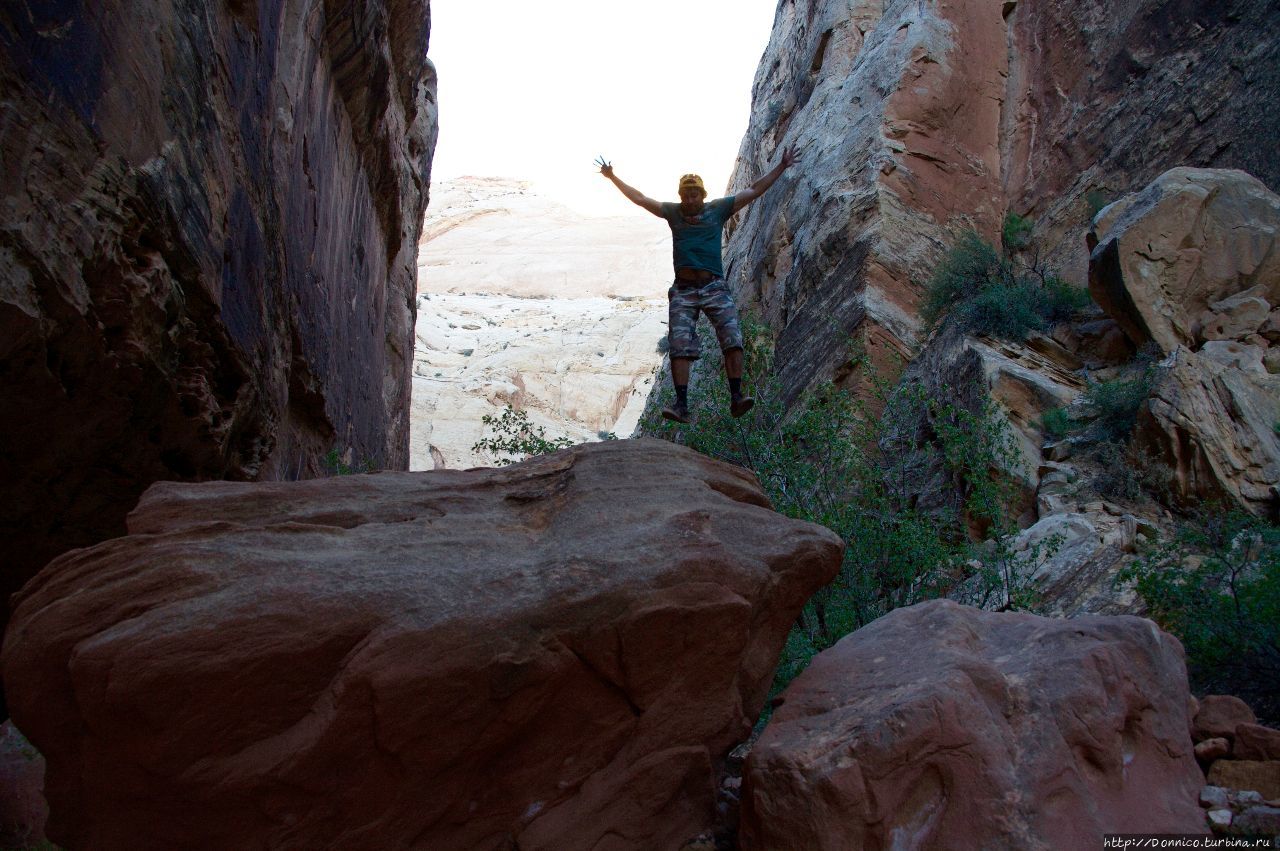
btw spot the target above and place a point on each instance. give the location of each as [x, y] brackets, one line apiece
[695, 283]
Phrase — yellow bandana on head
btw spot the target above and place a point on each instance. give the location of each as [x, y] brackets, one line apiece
[692, 180]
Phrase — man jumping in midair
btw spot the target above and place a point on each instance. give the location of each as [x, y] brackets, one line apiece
[696, 228]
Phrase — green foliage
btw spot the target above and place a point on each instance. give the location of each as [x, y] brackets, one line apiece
[1130, 474]
[830, 458]
[968, 268]
[1008, 309]
[1055, 423]
[1216, 586]
[514, 438]
[1015, 233]
[1063, 299]
[335, 466]
[1116, 403]
[987, 292]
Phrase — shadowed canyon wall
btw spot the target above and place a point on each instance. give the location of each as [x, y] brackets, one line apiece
[917, 120]
[209, 219]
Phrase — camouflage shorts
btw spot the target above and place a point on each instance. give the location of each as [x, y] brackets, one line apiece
[713, 299]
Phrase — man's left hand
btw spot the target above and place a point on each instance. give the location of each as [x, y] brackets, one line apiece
[788, 156]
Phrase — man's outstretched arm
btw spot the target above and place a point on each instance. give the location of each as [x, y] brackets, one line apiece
[762, 185]
[635, 196]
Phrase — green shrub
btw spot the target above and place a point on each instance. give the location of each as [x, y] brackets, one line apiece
[335, 466]
[514, 438]
[1006, 309]
[1064, 299]
[1015, 232]
[968, 268]
[987, 292]
[831, 459]
[1130, 474]
[1216, 586]
[1055, 423]
[1116, 404]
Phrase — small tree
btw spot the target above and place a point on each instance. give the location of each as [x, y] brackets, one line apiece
[1215, 584]
[514, 438]
[334, 465]
[1006, 294]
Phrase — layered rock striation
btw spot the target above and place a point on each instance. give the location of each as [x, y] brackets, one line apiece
[556, 655]
[208, 228]
[577, 368]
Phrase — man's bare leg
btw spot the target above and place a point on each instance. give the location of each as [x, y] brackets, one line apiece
[679, 412]
[732, 363]
[738, 404]
[680, 370]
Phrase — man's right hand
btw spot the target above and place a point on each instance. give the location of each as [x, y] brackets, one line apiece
[635, 196]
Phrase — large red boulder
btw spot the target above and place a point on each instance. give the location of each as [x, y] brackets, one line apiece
[942, 726]
[557, 654]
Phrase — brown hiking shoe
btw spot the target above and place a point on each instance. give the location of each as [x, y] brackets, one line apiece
[741, 405]
[679, 413]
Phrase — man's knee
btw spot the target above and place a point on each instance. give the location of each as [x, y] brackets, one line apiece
[729, 334]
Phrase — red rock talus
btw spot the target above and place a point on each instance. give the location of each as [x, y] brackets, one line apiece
[997, 731]
[1218, 715]
[557, 654]
[208, 220]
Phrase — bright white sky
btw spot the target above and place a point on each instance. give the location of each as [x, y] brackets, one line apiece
[536, 90]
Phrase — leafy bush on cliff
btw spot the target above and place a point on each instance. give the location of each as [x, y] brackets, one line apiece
[1056, 423]
[1128, 473]
[1216, 586]
[334, 465]
[998, 293]
[1116, 403]
[1015, 232]
[854, 466]
[513, 438]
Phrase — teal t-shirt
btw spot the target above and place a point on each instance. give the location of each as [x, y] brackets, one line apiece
[696, 245]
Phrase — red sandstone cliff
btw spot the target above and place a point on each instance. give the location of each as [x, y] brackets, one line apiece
[208, 223]
[917, 120]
